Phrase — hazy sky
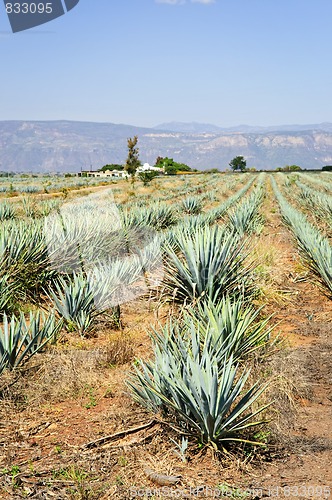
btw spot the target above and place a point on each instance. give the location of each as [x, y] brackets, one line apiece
[144, 62]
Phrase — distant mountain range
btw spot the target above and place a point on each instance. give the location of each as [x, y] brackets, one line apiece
[201, 128]
[68, 146]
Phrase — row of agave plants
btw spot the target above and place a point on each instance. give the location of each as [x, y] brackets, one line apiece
[315, 249]
[202, 188]
[189, 211]
[27, 207]
[319, 203]
[44, 184]
[198, 377]
[192, 200]
[199, 184]
[322, 181]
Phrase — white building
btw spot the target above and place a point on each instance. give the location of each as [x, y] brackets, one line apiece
[122, 174]
[148, 168]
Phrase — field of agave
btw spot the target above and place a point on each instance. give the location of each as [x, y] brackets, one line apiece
[181, 270]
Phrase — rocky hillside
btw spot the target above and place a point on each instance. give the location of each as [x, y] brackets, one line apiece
[64, 146]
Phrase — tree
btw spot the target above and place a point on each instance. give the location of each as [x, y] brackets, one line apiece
[212, 171]
[112, 166]
[238, 163]
[132, 162]
[292, 168]
[171, 169]
[146, 177]
[159, 161]
[327, 168]
[170, 166]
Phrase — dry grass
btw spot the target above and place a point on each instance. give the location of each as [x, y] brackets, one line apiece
[69, 372]
[288, 384]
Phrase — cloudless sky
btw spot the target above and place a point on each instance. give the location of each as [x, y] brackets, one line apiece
[143, 62]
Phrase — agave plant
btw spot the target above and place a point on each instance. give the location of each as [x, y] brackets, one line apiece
[49, 206]
[80, 298]
[7, 211]
[20, 340]
[205, 265]
[160, 216]
[74, 301]
[186, 338]
[29, 189]
[24, 256]
[319, 180]
[227, 329]
[204, 397]
[245, 217]
[111, 282]
[191, 205]
[317, 253]
[187, 225]
[29, 207]
[41, 329]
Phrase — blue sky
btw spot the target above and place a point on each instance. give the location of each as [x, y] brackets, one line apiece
[144, 62]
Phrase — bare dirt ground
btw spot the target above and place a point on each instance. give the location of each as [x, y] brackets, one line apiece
[77, 396]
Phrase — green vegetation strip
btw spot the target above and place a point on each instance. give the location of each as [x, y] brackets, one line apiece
[314, 248]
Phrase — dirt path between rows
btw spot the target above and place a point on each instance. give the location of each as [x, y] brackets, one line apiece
[305, 316]
[60, 194]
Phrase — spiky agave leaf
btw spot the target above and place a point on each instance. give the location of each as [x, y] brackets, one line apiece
[19, 340]
[7, 293]
[3, 362]
[74, 300]
[7, 211]
[41, 330]
[232, 322]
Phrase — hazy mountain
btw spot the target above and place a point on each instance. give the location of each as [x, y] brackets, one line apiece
[200, 128]
[190, 127]
[64, 146]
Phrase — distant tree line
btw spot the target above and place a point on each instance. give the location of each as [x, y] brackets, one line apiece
[289, 168]
[112, 166]
[171, 167]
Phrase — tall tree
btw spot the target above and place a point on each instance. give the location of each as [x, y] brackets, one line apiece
[238, 163]
[132, 162]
